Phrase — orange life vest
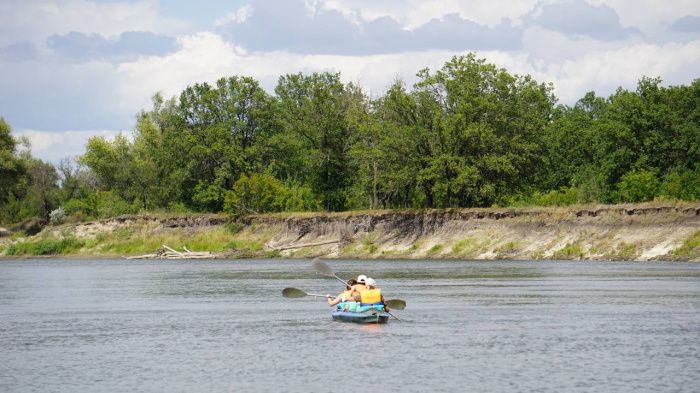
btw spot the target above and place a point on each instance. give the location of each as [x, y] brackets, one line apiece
[371, 296]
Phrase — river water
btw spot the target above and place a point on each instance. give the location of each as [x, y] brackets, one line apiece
[222, 326]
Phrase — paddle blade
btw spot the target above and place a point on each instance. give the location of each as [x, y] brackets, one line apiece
[293, 293]
[322, 268]
[396, 304]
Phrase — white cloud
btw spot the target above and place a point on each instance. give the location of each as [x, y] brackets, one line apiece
[650, 15]
[413, 13]
[53, 146]
[207, 57]
[44, 93]
[604, 72]
[34, 20]
[576, 67]
[239, 16]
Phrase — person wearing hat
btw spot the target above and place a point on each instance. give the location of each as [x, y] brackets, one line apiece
[373, 295]
[361, 282]
[358, 287]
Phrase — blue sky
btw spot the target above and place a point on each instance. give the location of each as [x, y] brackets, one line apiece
[70, 69]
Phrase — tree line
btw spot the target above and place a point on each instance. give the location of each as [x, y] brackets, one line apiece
[470, 134]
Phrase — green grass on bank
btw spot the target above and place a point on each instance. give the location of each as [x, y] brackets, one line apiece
[45, 246]
[690, 248]
[126, 242]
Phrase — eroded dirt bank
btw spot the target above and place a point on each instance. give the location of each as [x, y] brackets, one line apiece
[622, 232]
[614, 233]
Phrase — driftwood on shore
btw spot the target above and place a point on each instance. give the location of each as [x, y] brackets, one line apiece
[170, 253]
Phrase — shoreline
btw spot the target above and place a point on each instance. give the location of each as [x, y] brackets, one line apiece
[640, 232]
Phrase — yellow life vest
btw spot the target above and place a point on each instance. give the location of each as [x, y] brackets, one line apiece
[371, 296]
[359, 287]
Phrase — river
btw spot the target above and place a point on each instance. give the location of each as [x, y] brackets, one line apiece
[222, 326]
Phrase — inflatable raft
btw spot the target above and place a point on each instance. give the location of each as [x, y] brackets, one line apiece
[352, 312]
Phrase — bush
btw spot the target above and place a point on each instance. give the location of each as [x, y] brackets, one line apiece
[262, 193]
[570, 251]
[100, 204]
[562, 197]
[45, 246]
[58, 216]
[682, 183]
[638, 186]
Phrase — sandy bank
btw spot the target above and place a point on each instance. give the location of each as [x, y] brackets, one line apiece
[621, 232]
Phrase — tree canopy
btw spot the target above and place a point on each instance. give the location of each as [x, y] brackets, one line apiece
[469, 134]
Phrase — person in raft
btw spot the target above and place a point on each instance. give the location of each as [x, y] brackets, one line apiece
[373, 295]
[360, 286]
[348, 295]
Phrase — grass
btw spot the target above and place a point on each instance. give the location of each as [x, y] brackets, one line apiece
[124, 242]
[369, 243]
[569, 251]
[139, 240]
[435, 249]
[45, 246]
[623, 252]
[690, 248]
[466, 247]
[508, 248]
[244, 245]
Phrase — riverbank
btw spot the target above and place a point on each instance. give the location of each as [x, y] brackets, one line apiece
[620, 232]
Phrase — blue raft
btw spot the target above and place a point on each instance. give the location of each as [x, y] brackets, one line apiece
[354, 312]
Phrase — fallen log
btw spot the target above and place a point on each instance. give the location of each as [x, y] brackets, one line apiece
[170, 253]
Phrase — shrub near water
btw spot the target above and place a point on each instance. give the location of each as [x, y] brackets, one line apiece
[690, 248]
[45, 246]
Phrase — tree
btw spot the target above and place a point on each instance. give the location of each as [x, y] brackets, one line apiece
[313, 108]
[11, 166]
[487, 126]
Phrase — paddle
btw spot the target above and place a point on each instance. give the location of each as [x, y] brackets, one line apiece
[396, 304]
[326, 270]
[294, 293]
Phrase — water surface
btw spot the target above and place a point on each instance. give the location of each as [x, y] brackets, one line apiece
[203, 326]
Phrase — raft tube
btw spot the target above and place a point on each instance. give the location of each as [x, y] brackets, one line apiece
[360, 314]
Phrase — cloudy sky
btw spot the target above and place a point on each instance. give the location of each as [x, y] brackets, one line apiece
[70, 69]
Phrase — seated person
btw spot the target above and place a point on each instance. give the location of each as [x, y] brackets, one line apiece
[348, 295]
[359, 287]
[372, 296]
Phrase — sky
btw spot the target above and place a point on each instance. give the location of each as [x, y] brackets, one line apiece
[72, 69]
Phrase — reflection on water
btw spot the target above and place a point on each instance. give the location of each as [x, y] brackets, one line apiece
[201, 326]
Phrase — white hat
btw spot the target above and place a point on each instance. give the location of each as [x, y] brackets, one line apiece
[370, 282]
[361, 278]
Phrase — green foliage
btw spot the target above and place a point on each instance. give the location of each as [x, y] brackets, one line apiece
[682, 184]
[569, 251]
[623, 252]
[45, 246]
[638, 186]
[467, 247]
[262, 193]
[469, 134]
[436, 249]
[690, 248]
[314, 109]
[11, 166]
[100, 204]
[563, 197]
[508, 247]
[233, 227]
[242, 245]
